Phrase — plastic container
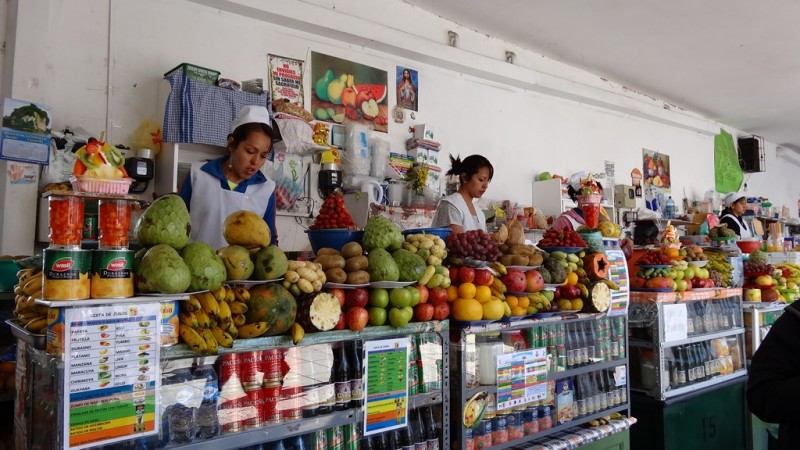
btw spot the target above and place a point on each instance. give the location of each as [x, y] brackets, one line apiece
[489, 347]
[590, 206]
[334, 238]
[748, 246]
[114, 223]
[197, 73]
[441, 232]
[8, 275]
[66, 221]
[100, 186]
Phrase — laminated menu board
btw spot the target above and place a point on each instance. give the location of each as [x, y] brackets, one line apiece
[521, 377]
[110, 373]
[386, 375]
[618, 273]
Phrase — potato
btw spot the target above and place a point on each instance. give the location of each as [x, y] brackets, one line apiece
[328, 251]
[335, 275]
[330, 262]
[352, 249]
[359, 262]
[358, 277]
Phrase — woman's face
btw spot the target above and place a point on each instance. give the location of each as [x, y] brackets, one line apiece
[478, 183]
[739, 206]
[249, 156]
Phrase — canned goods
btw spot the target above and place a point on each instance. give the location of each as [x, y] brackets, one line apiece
[230, 370]
[272, 398]
[290, 403]
[352, 436]
[252, 375]
[254, 407]
[115, 222]
[66, 221]
[319, 440]
[500, 430]
[112, 274]
[335, 438]
[89, 227]
[273, 364]
[169, 323]
[230, 414]
[66, 274]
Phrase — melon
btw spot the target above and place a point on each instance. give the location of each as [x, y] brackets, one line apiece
[378, 91]
[273, 304]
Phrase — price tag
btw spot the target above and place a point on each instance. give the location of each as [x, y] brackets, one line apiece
[620, 376]
[675, 322]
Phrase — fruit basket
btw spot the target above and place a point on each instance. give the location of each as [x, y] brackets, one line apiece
[101, 186]
[441, 232]
[332, 238]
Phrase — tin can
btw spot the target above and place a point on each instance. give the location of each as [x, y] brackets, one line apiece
[272, 398]
[318, 440]
[230, 371]
[254, 407]
[89, 227]
[335, 438]
[66, 274]
[230, 414]
[352, 436]
[290, 403]
[112, 274]
[252, 375]
[55, 331]
[500, 429]
[273, 365]
[169, 323]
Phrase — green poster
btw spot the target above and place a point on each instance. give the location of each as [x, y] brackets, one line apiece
[728, 174]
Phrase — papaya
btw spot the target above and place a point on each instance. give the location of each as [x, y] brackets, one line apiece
[596, 266]
[273, 304]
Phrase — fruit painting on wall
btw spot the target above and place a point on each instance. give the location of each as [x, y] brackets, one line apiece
[407, 88]
[348, 92]
[655, 167]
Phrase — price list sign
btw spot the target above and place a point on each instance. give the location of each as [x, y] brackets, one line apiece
[618, 273]
[521, 377]
[110, 373]
[386, 385]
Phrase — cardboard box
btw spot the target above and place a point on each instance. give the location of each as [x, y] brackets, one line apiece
[423, 131]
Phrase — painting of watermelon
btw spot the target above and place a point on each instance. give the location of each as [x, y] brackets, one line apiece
[348, 92]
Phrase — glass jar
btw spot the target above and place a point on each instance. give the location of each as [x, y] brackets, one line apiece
[114, 223]
[489, 346]
[545, 420]
[66, 221]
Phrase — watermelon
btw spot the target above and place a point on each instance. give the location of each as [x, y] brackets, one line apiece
[273, 304]
[378, 91]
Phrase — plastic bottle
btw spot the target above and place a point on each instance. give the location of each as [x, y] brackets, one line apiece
[207, 420]
[669, 208]
[179, 405]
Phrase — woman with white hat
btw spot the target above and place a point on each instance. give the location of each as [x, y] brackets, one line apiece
[735, 204]
[233, 182]
[572, 219]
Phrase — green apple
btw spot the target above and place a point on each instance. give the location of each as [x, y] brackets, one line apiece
[378, 298]
[674, 285]
[414, 294]
[548, 294]
[688, 273]
[678, 274]
[681, 285]
[400, 297]
[377, 316]
[399, 317]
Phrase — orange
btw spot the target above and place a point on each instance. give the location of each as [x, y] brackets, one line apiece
[512, 301]
[518, 311]
[452, 293]
[467, 309]
[577, 304]
[672, 252]
[572, 279]
[466, 290]
[524, 302]
[564, 304]
[483, 294]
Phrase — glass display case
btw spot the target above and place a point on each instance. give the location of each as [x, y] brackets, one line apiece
[758, 319]
[685, 342]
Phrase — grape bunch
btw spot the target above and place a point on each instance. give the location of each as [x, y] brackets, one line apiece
[561, 238]
[716, 277]
[333, 214]
[751, 267]
[474, 243]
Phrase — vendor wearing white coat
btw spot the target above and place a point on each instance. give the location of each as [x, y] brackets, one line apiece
[214, 190]
[735, 204]
[458, 210]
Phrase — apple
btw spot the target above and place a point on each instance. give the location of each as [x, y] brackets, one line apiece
[556, 295]
[349, 97]
[681, 285]
[639, 282]
[379, 298]
[688, 273]
[356, 298]
[466, 275]
[571, 292]
[423, 312]
[454, 273]
[357, 318]
[377, 316]
[534, 281]
[339, 294]
[340, 325]
[702, 273]
[483, 277]
[441, 311]
[697, 283]
[414, 295]
[370, 109]
[400, 297]
[424, 294]
[351, 113]
[515, 281]
[678, 274]
[399, 317]
[437, 296]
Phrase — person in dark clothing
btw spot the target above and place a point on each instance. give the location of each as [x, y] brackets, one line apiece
[774, 376]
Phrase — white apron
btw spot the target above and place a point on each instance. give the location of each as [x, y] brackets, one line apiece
[211, 205]
[743, 230]
[468, 222]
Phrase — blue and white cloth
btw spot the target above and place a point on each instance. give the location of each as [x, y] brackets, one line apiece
[200, 113]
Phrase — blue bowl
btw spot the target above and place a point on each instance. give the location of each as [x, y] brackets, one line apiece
[441, 232]
[334, 238]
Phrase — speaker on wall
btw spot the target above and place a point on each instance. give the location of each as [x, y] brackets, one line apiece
[751, 154]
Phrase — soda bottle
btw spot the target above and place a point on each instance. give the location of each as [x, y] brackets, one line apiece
[207, 420]
[669, 208]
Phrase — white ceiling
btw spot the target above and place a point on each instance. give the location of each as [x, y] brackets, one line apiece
[734, 61]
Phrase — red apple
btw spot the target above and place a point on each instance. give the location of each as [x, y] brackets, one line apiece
[515, 281]
[698, 283]
[441, 311]
[339, 294]
[534, 281]
[437, 296]
[424, 294]
[340, 325]
[454, 273]
[709, 283]
[466, 275]
[638, 282]
[423, 312]
[483, 277]
[357, 318]
[356, 298]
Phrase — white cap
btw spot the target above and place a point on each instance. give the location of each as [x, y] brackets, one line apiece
[732, 198]
[575, 180]
[252, 114]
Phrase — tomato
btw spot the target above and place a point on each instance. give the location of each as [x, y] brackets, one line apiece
[115, 221]
[66, 221]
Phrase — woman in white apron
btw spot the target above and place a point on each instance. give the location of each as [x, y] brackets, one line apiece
[217, 188]
[458, 210]
[735, 204]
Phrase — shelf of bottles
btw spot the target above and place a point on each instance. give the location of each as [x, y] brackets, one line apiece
[535, 378]
[685, 343]
[758, 319]
[272, 395]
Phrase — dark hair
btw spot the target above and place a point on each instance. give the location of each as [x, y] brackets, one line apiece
[469, 166]
[242, 132]
[573, 194]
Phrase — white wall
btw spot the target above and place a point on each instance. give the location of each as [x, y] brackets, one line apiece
[526, 118]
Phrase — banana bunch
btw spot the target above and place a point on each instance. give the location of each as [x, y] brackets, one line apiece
[718, 262]
[498, 289]
[303, 277]
[429, 247]
[793, 269]
[605, 420]
[539, 302]
[210, 320]
[499, 269]
[31, 316]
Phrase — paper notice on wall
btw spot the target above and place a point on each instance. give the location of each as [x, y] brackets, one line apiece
[25, 135]
[675, 322]
[22, 173]
[286, 79]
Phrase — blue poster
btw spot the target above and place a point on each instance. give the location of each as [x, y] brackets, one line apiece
[26, 132]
